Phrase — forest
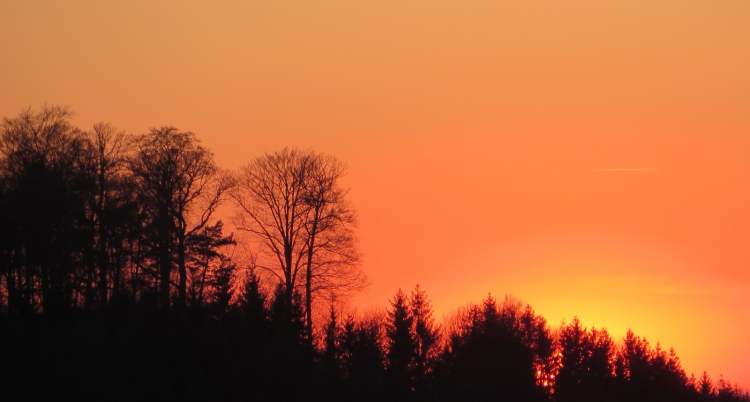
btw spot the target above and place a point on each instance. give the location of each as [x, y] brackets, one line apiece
[119, 281]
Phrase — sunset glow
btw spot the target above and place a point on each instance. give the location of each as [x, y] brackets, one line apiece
[589, 158]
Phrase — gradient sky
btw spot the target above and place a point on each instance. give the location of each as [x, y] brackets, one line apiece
[589, 157]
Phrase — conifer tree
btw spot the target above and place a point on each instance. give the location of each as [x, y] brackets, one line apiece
[401, 345]
[426, 337]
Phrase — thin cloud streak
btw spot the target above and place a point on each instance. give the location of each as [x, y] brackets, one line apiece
[626, 170]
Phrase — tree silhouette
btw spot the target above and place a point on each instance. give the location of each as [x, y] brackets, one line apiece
[487, 359]
[537, 336]
[331, 253]
[252, 302]
[362, 356]
[111, 212]
[222, 284]
[177, 181]
[46, 187]
[207, 265]
[98, 229]
[727, 392]
[705, 388]
[331, 356]
[331, 353]
[426, 342]
[270, 198]
[586, 372]
[402, 346]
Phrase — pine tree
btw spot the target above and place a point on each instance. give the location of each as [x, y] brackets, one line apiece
[252, 301]
[426, 337]
[330, 359]
[401, 345]
[222, 284]
[705, 388]
[287, 319]
[363, 359]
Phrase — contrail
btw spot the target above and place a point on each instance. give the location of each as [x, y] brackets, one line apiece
[626, 169]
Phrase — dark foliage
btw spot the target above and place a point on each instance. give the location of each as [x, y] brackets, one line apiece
[488, 358]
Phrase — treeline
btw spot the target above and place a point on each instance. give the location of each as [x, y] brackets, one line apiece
[97, 218]
[257, 349]
[93, 218]
[118, 282]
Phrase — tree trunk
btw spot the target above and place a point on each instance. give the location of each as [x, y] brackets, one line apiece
[308, 277]
[165, 260]
[203, 282]
[289, 274]
[103, 266]
[102, 254]
[182, 290]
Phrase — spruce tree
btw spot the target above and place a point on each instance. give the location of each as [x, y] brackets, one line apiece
[401, 345]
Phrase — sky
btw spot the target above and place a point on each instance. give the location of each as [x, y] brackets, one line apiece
[590, 158]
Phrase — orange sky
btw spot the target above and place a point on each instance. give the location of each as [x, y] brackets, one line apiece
[590, 157]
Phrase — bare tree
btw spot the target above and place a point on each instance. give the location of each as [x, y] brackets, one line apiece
[332, 255]
[270, 196]
[291, 202]
[181, 189]
[107, 158]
